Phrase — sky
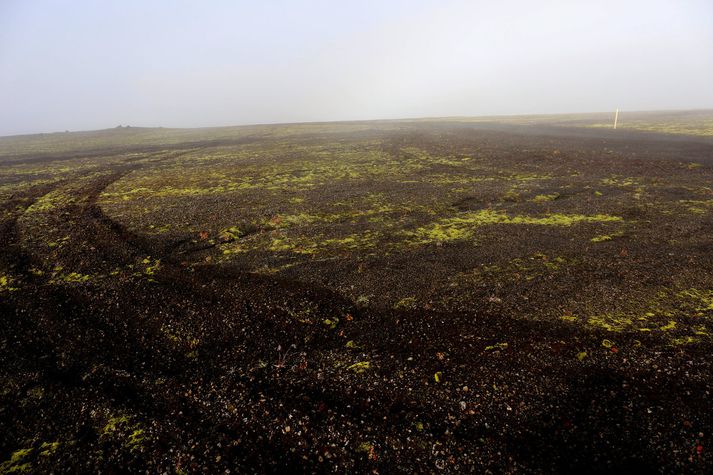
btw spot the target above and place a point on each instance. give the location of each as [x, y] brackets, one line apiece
[87, 64]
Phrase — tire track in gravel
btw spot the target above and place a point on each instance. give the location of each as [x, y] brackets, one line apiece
[106, 343]
[302, 395]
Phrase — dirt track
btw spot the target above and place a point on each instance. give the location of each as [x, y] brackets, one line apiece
[168, 362]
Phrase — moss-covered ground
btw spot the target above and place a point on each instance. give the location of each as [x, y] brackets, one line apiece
[402, 296]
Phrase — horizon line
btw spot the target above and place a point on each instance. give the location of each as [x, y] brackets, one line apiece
[348, 121]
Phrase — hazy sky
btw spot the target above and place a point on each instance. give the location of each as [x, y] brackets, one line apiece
[87, 64]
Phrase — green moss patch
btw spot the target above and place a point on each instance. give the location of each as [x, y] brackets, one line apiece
[463, 226]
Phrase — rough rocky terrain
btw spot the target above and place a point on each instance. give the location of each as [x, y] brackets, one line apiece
[388, 297]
